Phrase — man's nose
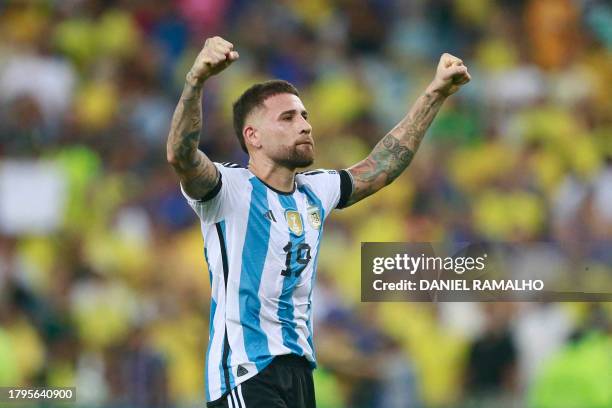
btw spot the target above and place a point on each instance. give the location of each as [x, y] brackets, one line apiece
[306, 128]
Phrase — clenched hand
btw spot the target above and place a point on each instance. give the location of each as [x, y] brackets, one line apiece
[451, 74]
[216, 55]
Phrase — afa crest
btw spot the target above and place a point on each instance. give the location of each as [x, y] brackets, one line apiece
[294, 222]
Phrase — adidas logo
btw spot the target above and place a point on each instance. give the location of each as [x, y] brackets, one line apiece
[241, 371]
[269, 215]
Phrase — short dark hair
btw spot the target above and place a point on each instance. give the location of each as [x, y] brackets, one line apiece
[254, 97]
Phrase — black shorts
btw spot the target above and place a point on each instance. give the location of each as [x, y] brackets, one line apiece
[285, 383]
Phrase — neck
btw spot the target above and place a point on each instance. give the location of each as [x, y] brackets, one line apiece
[278, 177]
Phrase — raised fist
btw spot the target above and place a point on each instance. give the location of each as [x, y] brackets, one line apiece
[216, 55]
[450, 75]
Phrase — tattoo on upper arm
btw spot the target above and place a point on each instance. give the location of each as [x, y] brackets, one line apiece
[386, 162]
[395, 151]
[201, 178]
[197, 173]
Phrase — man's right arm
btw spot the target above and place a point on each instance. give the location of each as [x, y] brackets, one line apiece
[197, 173]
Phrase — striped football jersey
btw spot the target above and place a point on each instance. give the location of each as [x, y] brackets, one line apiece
[261, 246]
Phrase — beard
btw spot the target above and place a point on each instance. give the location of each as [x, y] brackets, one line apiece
[296, 156]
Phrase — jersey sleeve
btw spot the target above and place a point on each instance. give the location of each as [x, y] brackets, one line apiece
[215, 206]
[333, 187]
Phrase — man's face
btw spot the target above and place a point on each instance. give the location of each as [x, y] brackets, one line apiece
[285, 134]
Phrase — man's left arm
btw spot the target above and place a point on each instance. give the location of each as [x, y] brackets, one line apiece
[395, 151]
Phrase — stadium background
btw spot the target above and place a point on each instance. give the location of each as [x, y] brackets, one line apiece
[102, 279]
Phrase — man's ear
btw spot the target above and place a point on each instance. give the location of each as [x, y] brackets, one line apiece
[251, 137]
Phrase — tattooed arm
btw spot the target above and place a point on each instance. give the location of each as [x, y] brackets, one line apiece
[395, 151]
[197, 173]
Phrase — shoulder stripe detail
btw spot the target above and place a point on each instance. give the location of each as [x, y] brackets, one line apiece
[312, 172]
[231, 165]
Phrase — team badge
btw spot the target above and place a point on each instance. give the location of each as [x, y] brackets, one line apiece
[314, 216]
[294, 221]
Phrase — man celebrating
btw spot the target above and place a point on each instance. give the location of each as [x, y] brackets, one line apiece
[262, 225]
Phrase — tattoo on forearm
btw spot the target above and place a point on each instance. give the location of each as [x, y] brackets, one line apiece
[195, 170]
[395, 151]
[388, 159]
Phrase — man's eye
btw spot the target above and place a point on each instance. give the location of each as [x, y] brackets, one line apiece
[286, 118]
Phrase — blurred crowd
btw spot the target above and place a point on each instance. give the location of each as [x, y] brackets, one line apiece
[103, 283]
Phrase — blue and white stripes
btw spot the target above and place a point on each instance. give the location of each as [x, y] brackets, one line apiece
[261, 247]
